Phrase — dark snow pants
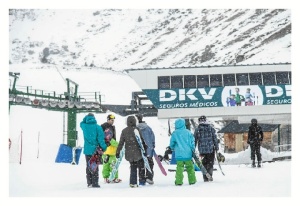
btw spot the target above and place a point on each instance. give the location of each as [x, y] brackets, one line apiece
[91, 178]
[208, 162]
[150, 175]
[255, 150]
[136, 166]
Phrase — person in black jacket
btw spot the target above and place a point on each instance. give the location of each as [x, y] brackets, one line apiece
[133, 152]
[207, 141]
[255, 137]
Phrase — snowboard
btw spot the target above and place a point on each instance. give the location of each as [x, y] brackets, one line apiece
[161, 167]
[202, 168]
[116, 165]
[138, 139]
[219, 163]
[95, 160]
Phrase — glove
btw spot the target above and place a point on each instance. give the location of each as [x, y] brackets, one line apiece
[117, 155]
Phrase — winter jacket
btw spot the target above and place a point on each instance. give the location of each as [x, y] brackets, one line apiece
[255, 134]
[182, 141]
[93, 135]
[113, 144]
[132, 149]
[148, 136]
[206, 139]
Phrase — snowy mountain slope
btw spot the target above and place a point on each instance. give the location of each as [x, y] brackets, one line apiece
[121, 39]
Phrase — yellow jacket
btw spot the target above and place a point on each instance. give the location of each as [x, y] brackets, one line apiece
[111, 150]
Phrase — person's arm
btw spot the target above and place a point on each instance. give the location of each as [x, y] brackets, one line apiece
[100, 138]
[196, 137]
[216, 142]
[249, 134]
[261, 134]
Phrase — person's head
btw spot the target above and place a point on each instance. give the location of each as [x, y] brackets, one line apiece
[111, 119]
[232, 96]
[237, 90]
[139, 117]
[202, 119]
[248, 89]
[254, 121]
[131, 121]
[90, 114]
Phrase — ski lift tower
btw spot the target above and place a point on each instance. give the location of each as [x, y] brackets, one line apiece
[71, 102]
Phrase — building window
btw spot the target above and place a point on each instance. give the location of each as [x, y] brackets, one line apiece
[282, 78]
[190, 81]
[202, 81]
[164, 82]
[269, 78]
[229, 79]
[176, 81]
[255, 79]
[242, 79]
[216, 80]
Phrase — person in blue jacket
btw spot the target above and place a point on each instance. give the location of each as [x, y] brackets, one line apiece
[149, 139]
[93, 137]
[183, 143]
[207, 141]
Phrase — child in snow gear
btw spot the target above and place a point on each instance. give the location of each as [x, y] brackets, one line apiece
[132, 152]
[149, 139]
[206, 139]
[93, 137]
[255, 137]
[183, 143]
[109, 156]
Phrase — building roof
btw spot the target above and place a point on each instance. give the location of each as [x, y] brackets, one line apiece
[235, 127]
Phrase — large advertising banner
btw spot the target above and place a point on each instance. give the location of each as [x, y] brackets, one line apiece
[229, 96]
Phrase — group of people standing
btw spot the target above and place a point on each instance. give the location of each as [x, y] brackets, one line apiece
[104, 136]
[183, 143]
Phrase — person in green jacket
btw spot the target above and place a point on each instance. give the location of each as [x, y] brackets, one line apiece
[93, 137]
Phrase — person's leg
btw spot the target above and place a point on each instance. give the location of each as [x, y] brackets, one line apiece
[142, 172]
[133, 173]
[150, 175]
[189, 165]
[87, 171]
[179, 173]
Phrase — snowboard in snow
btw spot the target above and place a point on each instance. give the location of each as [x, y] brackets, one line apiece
[161, 167]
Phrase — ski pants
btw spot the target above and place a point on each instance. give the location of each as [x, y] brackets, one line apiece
[136, 166]
[255, 150]
[91, 177]
[150, 175]
[107, 166]
[208, 161]
[189, 166]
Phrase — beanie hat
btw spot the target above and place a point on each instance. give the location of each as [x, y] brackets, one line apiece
[90, 114]
[110, 116]
[202, 118]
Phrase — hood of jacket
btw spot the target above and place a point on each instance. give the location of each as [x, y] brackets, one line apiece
[131, 121]
[142, 125]
[89, 119]
[180, 124]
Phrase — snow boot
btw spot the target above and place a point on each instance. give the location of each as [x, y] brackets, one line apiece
[253, 164]
[258, 165]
